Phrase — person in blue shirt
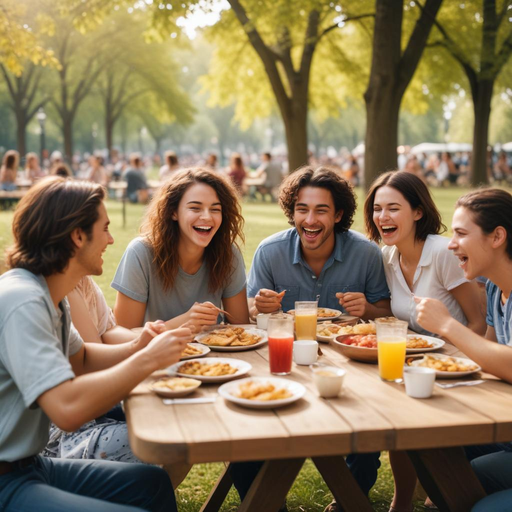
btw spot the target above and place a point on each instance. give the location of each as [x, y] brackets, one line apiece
[482, 240]
[320, 257]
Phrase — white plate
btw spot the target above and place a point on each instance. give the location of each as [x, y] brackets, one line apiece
[336, 313]
[258, 332]
[170, 393]
[204, 348]
[451, 375]
[242, 368]
[297, 390]
[327, 339]
[436, 342]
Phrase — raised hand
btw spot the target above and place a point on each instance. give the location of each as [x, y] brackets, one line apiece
[355, 303]
[166, 348]
[268, 301]
[432, 314]
[203, 313]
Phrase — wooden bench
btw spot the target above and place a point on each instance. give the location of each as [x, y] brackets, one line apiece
[9, 199]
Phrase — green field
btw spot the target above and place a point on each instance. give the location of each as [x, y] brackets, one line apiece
[309, 492]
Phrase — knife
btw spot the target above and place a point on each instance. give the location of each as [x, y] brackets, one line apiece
[202, 400]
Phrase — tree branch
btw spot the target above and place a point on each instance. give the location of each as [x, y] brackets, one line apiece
[345, 20]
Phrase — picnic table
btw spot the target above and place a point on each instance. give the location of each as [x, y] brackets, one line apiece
[370, 415]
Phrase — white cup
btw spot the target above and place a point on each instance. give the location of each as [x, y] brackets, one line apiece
[262, 320]
[305, 351]
[328, 379]
[419, 381]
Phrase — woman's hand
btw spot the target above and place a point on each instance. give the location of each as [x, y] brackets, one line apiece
[268, 301]
[432, 315]
[355, 303]
[150, 330]
[204, 313]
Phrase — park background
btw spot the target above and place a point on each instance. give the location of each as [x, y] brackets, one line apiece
[199, 76]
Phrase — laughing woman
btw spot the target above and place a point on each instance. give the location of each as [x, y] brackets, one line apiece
[482, 240]
[400, 212]
[187, 263]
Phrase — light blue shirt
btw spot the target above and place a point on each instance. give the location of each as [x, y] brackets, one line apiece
[137, 278]
[355, 265]
[499, 315]
[35, 343]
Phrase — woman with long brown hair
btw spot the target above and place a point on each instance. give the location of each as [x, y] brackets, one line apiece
[187, 263]
[9, 170]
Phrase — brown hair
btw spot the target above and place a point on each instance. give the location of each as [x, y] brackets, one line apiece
[416, 194]
[321, 177]
[61, 169]
[236, 161]
[171, 158]
[162, 233]
[490, 208]
[43, 222]
[11, 160]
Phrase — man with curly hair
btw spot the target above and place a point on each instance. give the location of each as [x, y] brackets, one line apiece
[320, 257]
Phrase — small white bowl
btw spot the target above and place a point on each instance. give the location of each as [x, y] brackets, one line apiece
[328, 379]
[175, 393]
[262, 320]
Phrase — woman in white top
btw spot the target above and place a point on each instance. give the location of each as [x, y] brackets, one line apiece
[400, 212]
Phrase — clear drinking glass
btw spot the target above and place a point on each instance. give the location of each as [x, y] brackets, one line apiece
[391, 340]
[305, 320]
[280, 343]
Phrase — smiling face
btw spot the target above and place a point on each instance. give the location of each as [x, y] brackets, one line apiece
[89, 256]
[315, 216]
[471, 245]
[394, 217]
[199, 215]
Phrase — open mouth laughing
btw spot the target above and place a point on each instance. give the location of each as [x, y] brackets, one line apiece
[203, 230]
[311, 234]
[388, 229]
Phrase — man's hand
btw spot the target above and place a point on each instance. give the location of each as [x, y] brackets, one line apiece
[432, 315]
[355, 303]
[151, 329]
[166, 348]
[204, 313]
[268, 301]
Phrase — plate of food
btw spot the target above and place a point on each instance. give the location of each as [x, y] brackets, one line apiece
[360, 347]
[323, 314]
[193, 351]
[262, 392]
[210, 369]
[324, 329]
[233, 339]
[419, 343]
[175, 387]
[447, 367]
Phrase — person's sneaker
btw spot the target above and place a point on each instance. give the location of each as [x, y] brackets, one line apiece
[333, 507]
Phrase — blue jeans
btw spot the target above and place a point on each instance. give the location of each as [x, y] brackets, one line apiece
[363, 466]
[492, 464]
[497, 502]
[60, 485]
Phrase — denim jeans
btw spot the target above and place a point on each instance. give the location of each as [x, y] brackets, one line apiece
[497, 502]
[59, 485]
[492, 464]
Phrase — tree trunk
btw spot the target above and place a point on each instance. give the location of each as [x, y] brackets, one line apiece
[67, 133]
[382, 113]
[109, 135]
[21, 134]
[295, 125]
[482, 111]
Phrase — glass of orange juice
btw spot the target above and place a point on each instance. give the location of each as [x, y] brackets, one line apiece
[305, 320]
[391, 340]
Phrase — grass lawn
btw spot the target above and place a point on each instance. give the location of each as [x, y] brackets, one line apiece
[309, 492]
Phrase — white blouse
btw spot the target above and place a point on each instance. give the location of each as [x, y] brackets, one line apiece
[437, 273]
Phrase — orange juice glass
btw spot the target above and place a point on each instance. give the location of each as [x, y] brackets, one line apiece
[391, 340]
[305, 320]
[280, 343]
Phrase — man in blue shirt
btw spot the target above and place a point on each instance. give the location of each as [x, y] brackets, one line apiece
[320, 258]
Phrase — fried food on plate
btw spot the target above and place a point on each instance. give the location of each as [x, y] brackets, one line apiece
[263, 391]
[206, 369]
[190, 350]
[329, 330]
[447, 364]
[364, 329]
[230, 337]
[176, 383]
[418, 343]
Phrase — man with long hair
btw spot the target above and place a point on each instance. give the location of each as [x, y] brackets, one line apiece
[48, 374]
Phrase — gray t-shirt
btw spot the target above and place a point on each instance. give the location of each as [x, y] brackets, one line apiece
[136, 277]
[35, 343]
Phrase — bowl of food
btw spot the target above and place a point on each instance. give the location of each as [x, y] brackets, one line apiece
[175, 387]
[360, 347]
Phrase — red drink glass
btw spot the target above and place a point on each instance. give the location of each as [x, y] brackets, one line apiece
[280, 343]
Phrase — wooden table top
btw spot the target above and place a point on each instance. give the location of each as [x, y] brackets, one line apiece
[370, 415]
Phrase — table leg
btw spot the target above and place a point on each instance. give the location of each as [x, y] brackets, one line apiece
[270, 487]
[447, 477]
[339, 479]
[219, 492]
